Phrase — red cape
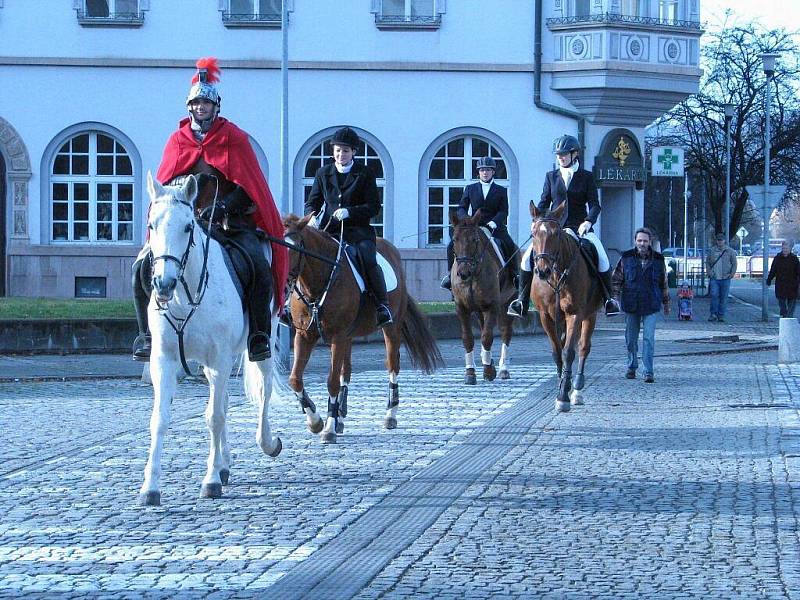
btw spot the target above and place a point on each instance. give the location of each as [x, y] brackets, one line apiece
[227, 148]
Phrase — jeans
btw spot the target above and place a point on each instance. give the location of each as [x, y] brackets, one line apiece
[787, 307]
[632, 325]
[719, 288]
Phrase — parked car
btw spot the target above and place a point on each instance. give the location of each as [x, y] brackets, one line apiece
[678, 252]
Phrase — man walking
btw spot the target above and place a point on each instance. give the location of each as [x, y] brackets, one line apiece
[640, 281]
[721, 267]
[785, 271]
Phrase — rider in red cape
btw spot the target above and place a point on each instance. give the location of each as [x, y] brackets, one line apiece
[223, 141]
[229, 177]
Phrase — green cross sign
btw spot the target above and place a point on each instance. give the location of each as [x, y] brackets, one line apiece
[667, 161]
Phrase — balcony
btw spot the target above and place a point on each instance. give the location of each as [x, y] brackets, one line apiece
[623, 69]
[120, 19]
[254, 20]
[407, 22]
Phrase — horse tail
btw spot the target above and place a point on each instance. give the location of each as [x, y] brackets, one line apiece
[418, 340]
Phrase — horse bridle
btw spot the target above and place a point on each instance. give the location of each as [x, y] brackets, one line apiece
[178, 324]
[552, 259]
[475, 263]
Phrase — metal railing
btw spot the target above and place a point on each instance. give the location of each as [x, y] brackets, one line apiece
[251, 18]
[120, 18]
[416, 21]
[614, 18]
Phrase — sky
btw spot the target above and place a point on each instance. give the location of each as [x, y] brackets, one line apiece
[772, 13]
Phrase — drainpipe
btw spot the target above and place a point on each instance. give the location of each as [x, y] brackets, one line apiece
[537, 82]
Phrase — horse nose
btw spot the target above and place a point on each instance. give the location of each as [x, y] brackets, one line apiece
[164, 285]
[543, 273]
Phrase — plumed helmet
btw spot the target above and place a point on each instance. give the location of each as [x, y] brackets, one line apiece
[566, 143]
[346, 137]
[203, 81]
[487, 162]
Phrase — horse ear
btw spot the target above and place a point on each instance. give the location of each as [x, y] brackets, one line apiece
[154, 188]
[476, 218]
[453, 218]
[190, 188]
[304, 221]
[535, 212]
[556, 214]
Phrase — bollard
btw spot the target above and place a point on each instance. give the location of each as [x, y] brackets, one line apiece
[789, 341]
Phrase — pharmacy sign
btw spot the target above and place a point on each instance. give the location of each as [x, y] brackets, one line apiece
[667, 161]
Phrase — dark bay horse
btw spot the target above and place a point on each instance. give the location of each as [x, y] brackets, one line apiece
[567, 296]
[481, 286]
[327, 304]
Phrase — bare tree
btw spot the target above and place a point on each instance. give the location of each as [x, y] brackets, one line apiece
[733, 73]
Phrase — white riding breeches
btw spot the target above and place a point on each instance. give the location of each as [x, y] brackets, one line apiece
[603, 264]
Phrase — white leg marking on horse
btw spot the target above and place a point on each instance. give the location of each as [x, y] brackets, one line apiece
[391, 413]
[215, 418]
[163, 372]
[393, 377]
[503, 356]
[486, 356]
[258, 387]
[576, 397]
[469, 359]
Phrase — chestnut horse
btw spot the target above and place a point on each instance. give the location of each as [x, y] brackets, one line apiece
[480, 285]
[327, 304]
[567, 296]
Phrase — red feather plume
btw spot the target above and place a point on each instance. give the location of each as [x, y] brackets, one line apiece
[210, 64]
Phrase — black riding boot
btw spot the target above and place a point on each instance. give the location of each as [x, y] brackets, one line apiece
[451, 258]
[259, 296]
[519, 306]
[611, 305]
[142, 344]
[377, 287]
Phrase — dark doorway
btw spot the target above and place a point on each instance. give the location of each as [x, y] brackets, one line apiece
[2, 226]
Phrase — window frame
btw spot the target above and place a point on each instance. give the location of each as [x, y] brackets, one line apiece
[92, 180]
[469, 160]
[115, 19]
[253, 20]
[408, 21]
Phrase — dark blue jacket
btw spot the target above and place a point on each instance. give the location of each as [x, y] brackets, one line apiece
[493, 208]
[641, 290]
[582, 192]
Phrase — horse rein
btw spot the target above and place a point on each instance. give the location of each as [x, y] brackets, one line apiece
[476, 263]
[178, 324]
[552, 259]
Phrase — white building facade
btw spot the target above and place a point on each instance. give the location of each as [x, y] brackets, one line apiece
[89, 100]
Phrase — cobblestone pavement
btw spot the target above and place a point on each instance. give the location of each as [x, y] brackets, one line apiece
[688, 488]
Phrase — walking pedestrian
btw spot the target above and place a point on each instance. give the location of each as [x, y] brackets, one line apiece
[785, 271]
[721, 267]
[640, 281]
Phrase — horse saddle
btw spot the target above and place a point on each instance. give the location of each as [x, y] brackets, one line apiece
[357, 266]
[589, 253]
[239, 263]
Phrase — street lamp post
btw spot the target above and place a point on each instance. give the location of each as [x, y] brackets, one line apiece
[768, 60]
[729, 110]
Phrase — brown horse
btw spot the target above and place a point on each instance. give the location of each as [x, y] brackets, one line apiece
[327, 304]
[567, 296]
[480, 285]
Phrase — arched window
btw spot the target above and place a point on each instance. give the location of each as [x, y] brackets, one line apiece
[322, 153]
[453, 167]
[91, 190]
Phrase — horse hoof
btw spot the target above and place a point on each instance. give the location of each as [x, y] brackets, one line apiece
[562, 406]
[316, 426]
[224, 476]
[576, 398]
[390, 423]
[328, 437]
[150, 499]
[339, 427]
[489, 372]
[470, 378]
[211, 490]
[278, 448]
[504, 374]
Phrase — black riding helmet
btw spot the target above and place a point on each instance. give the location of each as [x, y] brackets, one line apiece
[487, 162]
[565, 144]
[346, 137]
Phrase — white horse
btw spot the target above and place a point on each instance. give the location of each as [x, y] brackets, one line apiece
[201, 299]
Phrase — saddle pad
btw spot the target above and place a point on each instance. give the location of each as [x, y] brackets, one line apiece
[587, 248]
[388, 273]
[494, 243]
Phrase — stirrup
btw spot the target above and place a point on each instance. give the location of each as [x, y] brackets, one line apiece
[258, 347]
[383, 316]
[446, 284]
[612, 308]
[515, 309]
[141, 347]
